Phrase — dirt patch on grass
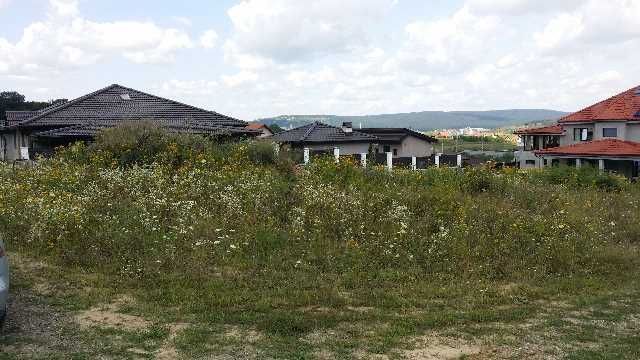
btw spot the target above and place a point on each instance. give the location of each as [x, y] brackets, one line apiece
[168, 350]
[109, 316]
[435, 347]
[238, 333]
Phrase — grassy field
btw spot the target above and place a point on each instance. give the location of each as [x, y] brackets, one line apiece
[99, 316]
[183, 249]
[476, 144]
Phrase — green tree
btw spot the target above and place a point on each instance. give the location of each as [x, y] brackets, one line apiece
[14, 101]
[276, 128]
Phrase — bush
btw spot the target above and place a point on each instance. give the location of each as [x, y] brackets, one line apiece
[144, 143]
[262, 153]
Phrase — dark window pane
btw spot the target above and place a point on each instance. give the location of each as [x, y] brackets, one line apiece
[610, 132]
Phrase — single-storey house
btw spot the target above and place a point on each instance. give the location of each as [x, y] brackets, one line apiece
[604, 135]
[401, 142]
[322, 137]
[265, 131]
[29, 132]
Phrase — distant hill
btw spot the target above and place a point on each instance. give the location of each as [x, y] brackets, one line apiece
[426, 120]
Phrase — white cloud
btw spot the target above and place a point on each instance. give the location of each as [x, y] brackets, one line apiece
[449, 44]
[595, 23]
[292, 56]
[189, 88]
[209, 39]
[68, 40]
[293, 30]
[520, 7]
[182, 20]
[65, 7]
[234, 55]
[240, 78]
[560, 31]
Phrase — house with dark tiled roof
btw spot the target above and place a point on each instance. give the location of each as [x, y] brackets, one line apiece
[82, 118]
[605, 135]
[322, 137]
[401, 142]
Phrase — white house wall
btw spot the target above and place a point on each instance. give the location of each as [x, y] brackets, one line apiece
[345, 149]
[621, 126]
[567, 139]
[413, 146]
[633, 132]
[11, 144]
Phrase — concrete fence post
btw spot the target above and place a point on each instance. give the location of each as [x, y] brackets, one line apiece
[336, 154]
[414, 163]
[438, 160]
[276, 149]
[459, 160]
[306, 156]
[578, 163]
[389, 161]
[601, 165]
[363, 160]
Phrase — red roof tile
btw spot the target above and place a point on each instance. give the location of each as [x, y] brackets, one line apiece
[255, 126]
[606, 147]
[624, 106]
[546, 130]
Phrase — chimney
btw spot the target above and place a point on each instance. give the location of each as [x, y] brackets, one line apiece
[347, 127]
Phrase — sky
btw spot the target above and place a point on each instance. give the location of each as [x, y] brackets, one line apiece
[259, 58]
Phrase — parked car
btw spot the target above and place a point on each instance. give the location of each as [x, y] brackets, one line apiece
[4, 282]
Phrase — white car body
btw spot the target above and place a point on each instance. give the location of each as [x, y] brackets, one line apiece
[4, 282]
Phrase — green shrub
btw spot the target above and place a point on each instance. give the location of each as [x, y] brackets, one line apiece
[262, 153]
[145, 143]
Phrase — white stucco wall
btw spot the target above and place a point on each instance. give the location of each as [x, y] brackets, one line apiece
[621, 126]
[522, 157]
[11, 143]
[633, 132]
[413, 146]
[345, 149]
[567, 139]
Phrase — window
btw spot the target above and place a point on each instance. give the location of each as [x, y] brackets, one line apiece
[531, 143]
[530, 162]
[582, 134]
[610, 132]
[395, 152]
[551, 142]
[387, 148]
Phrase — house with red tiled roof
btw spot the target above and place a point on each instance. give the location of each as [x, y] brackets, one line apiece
[264, 130]
[605, 135]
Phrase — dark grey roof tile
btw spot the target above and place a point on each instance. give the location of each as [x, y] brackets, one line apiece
[116, 104]
[318, 132]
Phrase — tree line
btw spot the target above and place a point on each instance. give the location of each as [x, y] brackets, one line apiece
[14, 101]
